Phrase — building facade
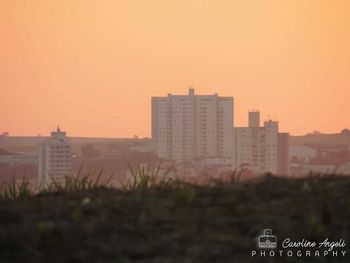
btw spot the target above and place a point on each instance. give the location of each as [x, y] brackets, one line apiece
[283, 153]
[185, 127]
[55, 157]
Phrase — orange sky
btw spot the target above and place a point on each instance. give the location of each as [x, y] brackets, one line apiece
[92, 66]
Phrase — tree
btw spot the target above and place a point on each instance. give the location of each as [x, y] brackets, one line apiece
[4, 134]
[345, 131]
[316, 132]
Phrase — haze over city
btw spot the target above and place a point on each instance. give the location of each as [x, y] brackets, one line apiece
[92, 67]
[174, 131]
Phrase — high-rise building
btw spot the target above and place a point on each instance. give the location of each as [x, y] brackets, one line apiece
[54, 158]
[185, 127]
[255, 147]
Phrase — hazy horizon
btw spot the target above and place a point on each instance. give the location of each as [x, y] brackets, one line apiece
[93, 67]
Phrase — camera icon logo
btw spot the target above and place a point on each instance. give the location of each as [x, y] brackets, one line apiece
[267, 240]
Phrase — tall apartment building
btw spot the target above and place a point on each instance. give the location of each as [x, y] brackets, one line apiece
[185, 127]
[54, 158]
[255, 147]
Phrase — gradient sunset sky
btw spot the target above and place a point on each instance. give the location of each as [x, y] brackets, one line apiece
[92, 66]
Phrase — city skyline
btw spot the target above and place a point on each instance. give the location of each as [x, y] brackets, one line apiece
[92, 68]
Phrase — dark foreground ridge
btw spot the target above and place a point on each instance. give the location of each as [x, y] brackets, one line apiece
[175, 224]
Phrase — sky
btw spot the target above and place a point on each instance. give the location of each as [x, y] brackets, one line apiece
[93, 66]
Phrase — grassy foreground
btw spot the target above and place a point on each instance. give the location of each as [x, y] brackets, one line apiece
[174, 223]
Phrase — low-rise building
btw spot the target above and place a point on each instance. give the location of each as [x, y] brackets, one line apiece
[19, 158]
[302, 153]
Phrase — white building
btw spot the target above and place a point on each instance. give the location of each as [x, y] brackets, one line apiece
[185, 127]
[255, 147]
[54, 158]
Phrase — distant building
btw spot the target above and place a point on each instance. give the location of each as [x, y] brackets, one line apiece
[54, 158]
[19, 158]
[260, 149]
[283, 153]
[302, 153]
[320, 158]
[186, 127]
